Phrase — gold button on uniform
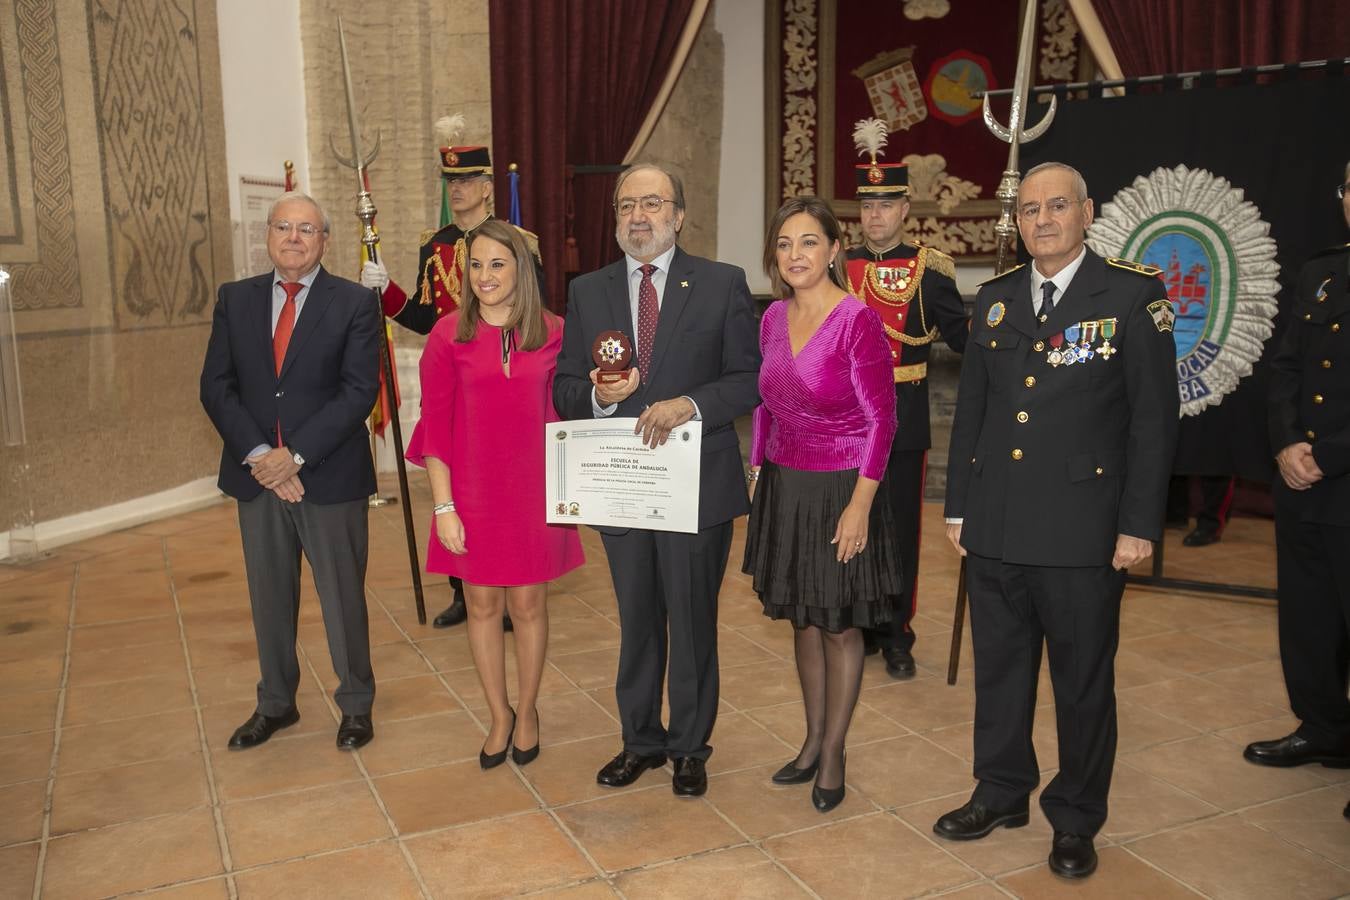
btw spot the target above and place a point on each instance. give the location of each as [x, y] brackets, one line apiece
[1017, 454]
[993, 345]
[1030, 381]
[1038, 346]
[1099, 470]
[1326, 364]
[1321, 298]
[1022, 417]
[1311, 434]
[1317, 398]
[1336, 326]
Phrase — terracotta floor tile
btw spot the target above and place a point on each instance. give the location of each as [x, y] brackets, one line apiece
[378, 870]
[595, 889]
[121, 635]
[1214, 771]
[90, 703]
[290, 825]
[1141, 727]
[127, 741]
[223, 718]
[1119, 875]
[1199, 703]
[565, 773]
[122, 606]
[788, 722]
[408, 698]
[210, 889]
[127, 793]
[1004, 850]
[762, 684]
[222, 648]
[1261, 681]
[637, 829]
[1134, 669]
[18, 867]
[237, 681]
[166, 850]
[591, 632]
[839, 860]
[1310, 820]
[1141, 804]
[22, 675]
[922, 706]
[589, 669]
[116, 664]
[740, 742]
[24, 757]
[735, 649]
[469, 862]
[22, 819]
[1230, 858]
[739, 872]
[27, 637]
[1189, 652]
[762, 809]
[418, 743]
[465, 684]
[303, 761]
[448, 651]
[872, 769]
[452, 795]
[28, 711]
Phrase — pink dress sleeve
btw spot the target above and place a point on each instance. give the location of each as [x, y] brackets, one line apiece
[552, 347]
[439, 379]
[762, 419]
[874, 385]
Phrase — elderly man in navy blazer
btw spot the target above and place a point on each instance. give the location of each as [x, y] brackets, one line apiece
[291, 372]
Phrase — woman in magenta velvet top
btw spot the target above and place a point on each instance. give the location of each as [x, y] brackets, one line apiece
[487, 389]
[822, 554]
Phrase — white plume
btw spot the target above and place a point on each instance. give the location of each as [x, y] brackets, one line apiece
[448, 129]
[869, 136]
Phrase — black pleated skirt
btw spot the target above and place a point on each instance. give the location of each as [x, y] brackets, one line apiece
[789, 556]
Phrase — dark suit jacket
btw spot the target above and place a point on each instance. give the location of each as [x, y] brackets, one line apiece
[706, 347]
[326, 389]
[1310, 388]
[1050, 463]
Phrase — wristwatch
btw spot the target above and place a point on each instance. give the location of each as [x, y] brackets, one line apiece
[299, 460]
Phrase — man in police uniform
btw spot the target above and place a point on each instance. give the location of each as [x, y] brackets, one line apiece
[1066, 421]
[1310, 422]
[913, 289]
[441, 274]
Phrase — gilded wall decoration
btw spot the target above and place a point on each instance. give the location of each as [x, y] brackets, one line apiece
[799, 99]
[1059, 42]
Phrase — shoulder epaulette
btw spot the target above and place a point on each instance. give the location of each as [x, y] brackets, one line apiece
[531, 239]
[1130, 265]
[938, 261]
[1001, 275]
[427, 235]
[1330, 251]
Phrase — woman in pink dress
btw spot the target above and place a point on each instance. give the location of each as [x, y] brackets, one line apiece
[823, 556]
[487, 387]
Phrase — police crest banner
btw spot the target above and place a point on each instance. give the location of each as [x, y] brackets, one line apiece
[1227, 189]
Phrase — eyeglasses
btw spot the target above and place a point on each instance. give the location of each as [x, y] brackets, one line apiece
[1057, 206]
[1340, 190]
[650, 204]
[305, 228]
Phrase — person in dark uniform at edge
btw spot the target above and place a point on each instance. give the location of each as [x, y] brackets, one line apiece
[440, 277]
[913, 289]
[1065, 428]
[1310, 423]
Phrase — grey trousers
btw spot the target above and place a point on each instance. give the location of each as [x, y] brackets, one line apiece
[333, 537]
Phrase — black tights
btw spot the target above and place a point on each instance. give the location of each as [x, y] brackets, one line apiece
[830, 669]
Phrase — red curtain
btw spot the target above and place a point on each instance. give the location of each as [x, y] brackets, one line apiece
[572, 81]
[1158, 37]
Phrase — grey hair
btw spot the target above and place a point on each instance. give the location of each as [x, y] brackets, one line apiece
[1079, 184]
[301, 195]
[677, 186]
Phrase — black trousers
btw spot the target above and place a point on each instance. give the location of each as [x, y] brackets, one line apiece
[903, 486]
[333, 537]
[1075, 613]
[1314, 622]
[667, 585]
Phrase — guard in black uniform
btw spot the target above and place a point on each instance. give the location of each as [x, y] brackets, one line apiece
[1310, 423]
[1066, 422]
[913, 289]
[441, 273]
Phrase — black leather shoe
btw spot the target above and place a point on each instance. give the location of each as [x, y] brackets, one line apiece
[493, 760]
[975, 820]
[899, 663]
[1201, 536]
[691, 777]
[790, 774]
[525, 757]
[354, 732]
[453, 614]
[826, 799]
[259, 728]
[1293, 751]
[625, 768]
[1072, 856]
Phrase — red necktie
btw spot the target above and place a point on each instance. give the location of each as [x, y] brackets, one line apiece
[648, 312]
[281, 335]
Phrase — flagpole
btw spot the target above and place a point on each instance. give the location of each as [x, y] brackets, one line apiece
[365, 212]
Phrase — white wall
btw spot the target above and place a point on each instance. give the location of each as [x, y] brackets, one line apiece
[740, 202]
[263, 91]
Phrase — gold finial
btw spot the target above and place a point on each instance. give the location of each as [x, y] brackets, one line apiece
[512, 168]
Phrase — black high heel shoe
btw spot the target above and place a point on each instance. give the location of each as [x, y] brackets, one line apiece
[790, 774]
[525, 757]
[826, 799]
[493, 760]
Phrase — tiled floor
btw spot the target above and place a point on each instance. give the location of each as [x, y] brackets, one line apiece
[126, 661]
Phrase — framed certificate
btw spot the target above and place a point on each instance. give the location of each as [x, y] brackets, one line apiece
[600, 473]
